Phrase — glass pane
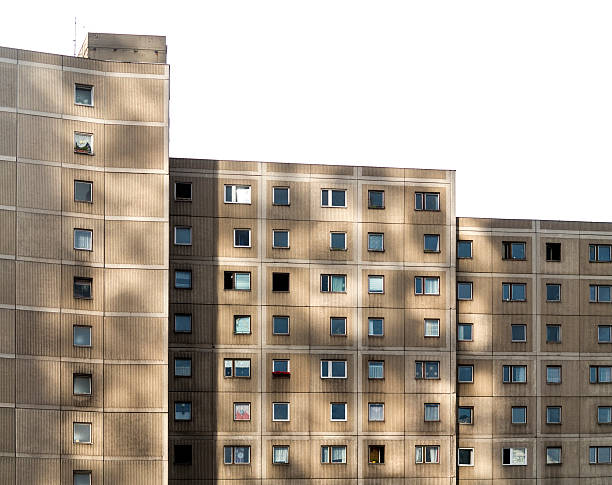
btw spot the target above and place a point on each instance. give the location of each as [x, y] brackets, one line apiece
[280, 325]
[553, 375]
[465, 456]
[338, 411]
[82, 239]
[519, 415]
[281, 454]
[376, 412]
[592, 252]
[182, 411]
[228, 368]
[432, 327]
[431, 454]
[242, 281]
[81, 336]
[281, 239]
[553, 456]
[280, 411]
[604, 414]
[432, 412]
[83, 95]
[242, 412]
[338, 369]
[375, 326]
[603, 454]
[82, 288]
[432, 242]
[81, 432]
[82, 191]
[280, 196]
[553, 292]
[242, 324]
[338, 454]
[182, 367]
[375, 284]
[506, 291]
[605, 374]
[338, 326]
[465, 331]
[376, 198]
[465, 373]
[518, 456]
[432, 202]
[431, 370]
[604, 253]
[603, 333]
[182, 279]
[243, 195]
[464, 291]
[82, 478]
[418, 201]
[418, 285]
[376, 370]
[83, 143]
[338, 198]
[592, 454]
[243, 368]
[553, 415]
[81, 385]
[518, 292]
[242, 454]
[604, 293]
[325, 368]
[418, 454]
[182, 235]
[338, 240]
[325, 197]
[464, 249]
[229, 193]
[182, 190]
[182, 323]
[464, 415]
[227, 455]
[592, 293]
[280, 366]
[324, 454]
[553, 333]
[519, 373]
[418, 370]
[592, 374]
[518, 333]
[242, 237]
[338, 283]
[518, 250]
[375, 242]
[432, 286]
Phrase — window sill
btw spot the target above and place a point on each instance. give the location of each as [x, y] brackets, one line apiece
[281, 247]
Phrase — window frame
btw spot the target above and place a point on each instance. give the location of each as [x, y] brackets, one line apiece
[190, 322]
[554, 326]
[82, 280]
[186, 271]
[74, 192]
[597, 461]
[424, 455]
[277, 420]
[330, 198]
[510, 368]
[548, 245]
[79, 151]
[188, 407]
[233, 368]
[330, 277]
[380, 451]
[422, 205]
[372, 319]
[599, 421]
[235, 188]
[90, 427]
[551, 285]
[236, 318]
[437, 250]
[344, 406]
[81, 473]
[274, 246]
[423, 365]
[177, 229]
[233, 279]
[331, 239]
[274, 203]
[597, 297]
[471, 326]
[185, 359]
[274, 332]
[248, 230]
[597, 374]
[74, 238]
[560, 462]
[523, 410]
[548, 420]
[382, 236]
[508, 250]
[183, 199]
[281, 373]
[552, 382]
[511, 297]
[423, 280]
[471, 244]
[518, 325]
[370, 406]
[467, 284]
[594, 249]
[74, 344]
[376, 207]
[371, 364]
[235, 408]
[467, 366]
[233, 449]
[510, 454]
[471, 463]
[274, 462]
[90, 87]
[437, 334]
[330, 453]
[79, 375]
[331, 327]
[431, 405]
[329, 363]
[471, 410]
[376, 277]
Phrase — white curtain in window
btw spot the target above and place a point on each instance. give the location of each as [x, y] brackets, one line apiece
[431, 286]
[519, 373]
[82, 239]
[281, 454]
[243, 195]
[338, 454]
[418, 454]
[432, 413]
[338, 283]
[432, 454]
[243, 325]
[376, 370]
[377, 412]
[605, 374]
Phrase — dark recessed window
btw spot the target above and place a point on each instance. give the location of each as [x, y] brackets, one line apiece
[280, 325]
[83, 94]
[182, 191]
[553, 252]
[337, 326]
[81, 477]
[553, 334]
[431, 243]
[280, 281]
[553, 292]
[83, 191]
[464, 249]
[182, 279]
[182, 454]
[513, 250]
[236, 281]
[280, 195]
[242, 238]
[376, 199]
[82, 288]
[427, 201]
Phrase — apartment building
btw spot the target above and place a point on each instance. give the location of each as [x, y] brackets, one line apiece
[84, 265]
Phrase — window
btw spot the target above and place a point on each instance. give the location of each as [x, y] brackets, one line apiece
[333, 283]
[333, 369]
[81, 478]
[280, 325]
[604, 415]
[600, 454]
[280, 367]
[514, 373]
[182, 411]
[182, 454]
[182, 323]
[376, 455]
[280, 239]
[431, 243]
[376, 241]
[83, 143]
[280, 195]
[427, 369]
[519, 415]
[519, 333]
[376, 284]
[553, 414]
[426, 285]
[514, 292]
[553, 252]
[432, 327]
[604, 334]
[465, 373]
[464, 332]
[514, 456]
[599, 293]
[553, 455]
[236, 368]
[236, 281]
[83, 239]
[81, 433]
[376, 327]
[553, 374]
[81, 336]
[236, 455]
[182, 236]
[376, 369]
[553, 334]
[182, 191]
[182, 367]
[280, 282]
[81, 384]
[553, 292]
[465, 456]
[465, 415]
[513, 250]
[83, 191]
[426, 454]
[427, 201]
[82, 288]
[242, 324]
[376, 199]
[237, 194]
[464, 249]
[83, 94]
[182, 279]
[280, 455]
[337, 326]
[333, 454]
[280, 411]
[333, 198]
[337, 241]
[432, 412]
[600, 253]
[600, 374]
[242, 238]
[242, 411]
[376, 411]
[464, 291]
[337, 411]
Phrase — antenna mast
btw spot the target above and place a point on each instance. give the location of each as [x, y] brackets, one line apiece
[75, 34]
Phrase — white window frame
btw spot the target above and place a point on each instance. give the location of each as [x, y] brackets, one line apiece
[512, 325]
[370, 364]
[176, 229]
[288, 412]
[597, 299]
[233, 450]
[344, 405]
[471, 256]
[596, 247]
[382, 236]
[331, 327]
[74, 426]
[553, 284]
[511, 291]
[512, 450]
[288, 195]
[91, 143]
[510, 370]
[470, 285]
[374, 277]
[330, 453]
[329, 369]
[331, 233]
[330, 277]
[383, 327]
[604, 407]
[471, 366]
[471, 325]
[91, 89]
[235, 188]
[471, 450]
[423, 197]
[243, 229]
[423, 280]
[370, 406]
[288, 324]
[435, 405]
[437, 250]
[437, 326]
[274, 246]
[281, 372]
[74, 237]
[424, 455]
[423, 367]
[233, 367]
[329, 198]
[238, 317]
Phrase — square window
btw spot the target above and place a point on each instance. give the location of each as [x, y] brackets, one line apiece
[81, 433]
[376, 327]
[280, 367]
[376, 369]
[182, 454]
[376, 199]
[83, 239]
[465, 373]
[553, 252]
[432, 327]
[236, 281]
[464, 249]
[431, 243]
[182, 236]
[337, 241]
[182, 367]
[604, 334]
[280, 411]
[465, 456]
[242, 238]
[83, 191]
[553, 334]
[513, 250]
[83, 94]
[553, 455]
[242, 324]
[81, 384]
[376, 411]
[333, 283]
[82, 288]
[553, 374]
[280, 239]
[465, 415]
[376, 284]
[464, 332]
[81, 336]
[182, 279]
[432, 412]
[182, 411]
[333, 198]
[376, 241]
[604, 415]
[337, 326]
[280, 195]
[182, 191]
[514, 456]
[280, 325]
[237, 194]
[464, 291]
[242, 368]
[426, 285]
[81, 478]
[426, 201]
[182, 323]
[519, 333]
[83, 143]
[242, 411]
[376, 455]
[519, 415]
[280, 455]
[337, 411]
[333, 369]
[553, 415]
[553, 292]
[280, 282]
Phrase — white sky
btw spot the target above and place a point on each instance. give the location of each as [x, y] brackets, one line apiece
[519, 92]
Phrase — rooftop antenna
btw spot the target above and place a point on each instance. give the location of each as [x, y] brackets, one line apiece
[75, 35]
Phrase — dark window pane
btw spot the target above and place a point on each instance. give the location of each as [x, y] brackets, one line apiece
[432, 242]
[182, 190]
[182, 322]
[83, 95]
[338, 198]
[280, 281]
[432, 202]
[553, 251]
[82, 191]
[281, 239]
[338, 326]
[376, 199]
[280, 196]
[603, 333]
[280, 325]
[182, 454]
[519, 333]
[464, 249]
[338, 240]
[553, 292]
[82, 288]
[242, 237]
